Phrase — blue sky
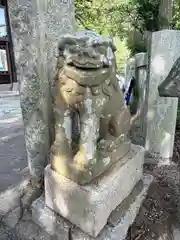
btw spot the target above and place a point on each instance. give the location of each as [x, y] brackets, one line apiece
[2, 18]
[2, 22]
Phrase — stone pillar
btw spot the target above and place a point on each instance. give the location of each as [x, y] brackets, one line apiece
[36, 26]
[138, 130]
[161, 112]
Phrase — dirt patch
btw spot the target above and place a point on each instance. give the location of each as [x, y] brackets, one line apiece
[158, 217]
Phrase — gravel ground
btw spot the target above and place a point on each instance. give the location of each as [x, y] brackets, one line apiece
[158, 218]
[7, 234]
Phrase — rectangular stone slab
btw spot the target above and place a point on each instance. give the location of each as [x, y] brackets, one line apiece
[88, 207]
[117, 226]
[161, 112]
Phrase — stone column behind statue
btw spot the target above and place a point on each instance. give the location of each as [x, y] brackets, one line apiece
[36, 26]
[161, 111]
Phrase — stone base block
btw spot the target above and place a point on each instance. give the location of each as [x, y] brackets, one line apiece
[117, 225]
[88, 207]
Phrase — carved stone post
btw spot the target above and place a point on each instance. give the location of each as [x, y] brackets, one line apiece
[36, 26]
[161, 111]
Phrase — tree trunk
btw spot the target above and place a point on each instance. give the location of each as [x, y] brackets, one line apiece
[165, 14]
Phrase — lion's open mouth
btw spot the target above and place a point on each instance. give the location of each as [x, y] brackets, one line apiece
[87, 65]
[84, 76]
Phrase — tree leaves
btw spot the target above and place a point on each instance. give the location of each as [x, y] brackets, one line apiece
[125, 19]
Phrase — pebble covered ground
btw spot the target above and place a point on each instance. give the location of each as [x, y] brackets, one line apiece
[6, 233]
[158, 218]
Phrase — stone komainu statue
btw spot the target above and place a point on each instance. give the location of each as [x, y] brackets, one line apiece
[92, 121]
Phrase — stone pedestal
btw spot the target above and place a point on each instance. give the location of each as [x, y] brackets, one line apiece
[117, 224]
[88, 207]
[161, 111]
[36, 27]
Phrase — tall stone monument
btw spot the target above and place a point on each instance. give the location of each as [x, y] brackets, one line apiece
[161, 111]
[95, 173]
[36, 26]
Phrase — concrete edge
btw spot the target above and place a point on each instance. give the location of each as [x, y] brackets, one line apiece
[158, 161]
[119, 231]
[6, 94]
[20, 195]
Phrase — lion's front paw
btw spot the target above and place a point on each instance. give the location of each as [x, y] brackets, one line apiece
[81, 160]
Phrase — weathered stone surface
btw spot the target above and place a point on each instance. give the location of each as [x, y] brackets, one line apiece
[128, 210]
[18, 196]
[161, 111]
[91, 120]
[31, 193]
[138, 129]
[117, 225]
[36, 27]
[12, 218]
[26, 229]
[8, 201]
[11, 198]
[6, 233]
[122, 209]
[170, 86]
[89, 206]
[49, 220]
[141, 59]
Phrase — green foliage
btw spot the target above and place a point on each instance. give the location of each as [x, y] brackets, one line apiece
[85, 15]
[145, 14]
[124, 19]
[143, 17]
[107, 18]
[176, 15]
[122, 54]
[102, 16]
[136, 42]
